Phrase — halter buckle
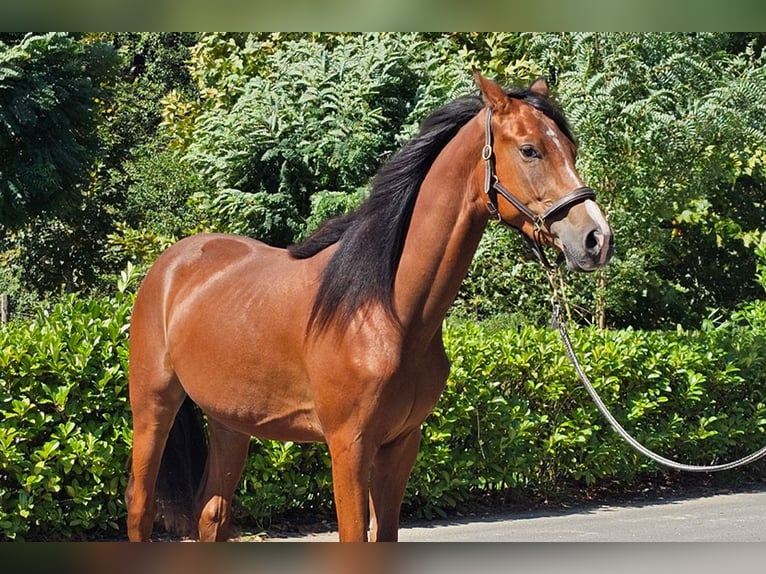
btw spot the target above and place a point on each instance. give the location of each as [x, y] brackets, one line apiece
[493, 211]
[486, 152]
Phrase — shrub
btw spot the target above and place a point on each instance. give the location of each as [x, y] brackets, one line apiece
[64, 436]
[513, 417]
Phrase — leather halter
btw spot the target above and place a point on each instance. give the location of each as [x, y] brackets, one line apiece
[492, 187]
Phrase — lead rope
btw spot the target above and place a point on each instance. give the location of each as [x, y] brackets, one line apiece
[559, 323]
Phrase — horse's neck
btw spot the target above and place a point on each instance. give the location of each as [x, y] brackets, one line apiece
[447, 223]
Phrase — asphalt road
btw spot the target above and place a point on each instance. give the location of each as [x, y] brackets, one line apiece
[737, 517]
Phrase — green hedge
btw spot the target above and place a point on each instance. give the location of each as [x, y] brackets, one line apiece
[513, 417]
[64, 422]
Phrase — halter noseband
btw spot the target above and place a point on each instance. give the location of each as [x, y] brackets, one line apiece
[492, 187]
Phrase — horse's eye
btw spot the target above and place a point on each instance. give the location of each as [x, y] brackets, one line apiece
[529, 152]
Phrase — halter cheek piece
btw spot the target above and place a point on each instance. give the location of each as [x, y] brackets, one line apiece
[492, 187]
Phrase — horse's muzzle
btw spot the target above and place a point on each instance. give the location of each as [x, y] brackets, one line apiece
[596, 250]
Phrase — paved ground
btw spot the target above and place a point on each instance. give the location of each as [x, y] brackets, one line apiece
[735, 517]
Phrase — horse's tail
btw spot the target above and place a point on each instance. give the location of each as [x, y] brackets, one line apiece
[181, 469]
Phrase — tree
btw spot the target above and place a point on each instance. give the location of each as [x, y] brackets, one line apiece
[142, 180]
[673, 138]
[668, 121]
[265, 134]
[50, 87]
[66, 245]
[282, 119]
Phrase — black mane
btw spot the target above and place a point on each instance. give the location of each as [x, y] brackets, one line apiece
[371, 238]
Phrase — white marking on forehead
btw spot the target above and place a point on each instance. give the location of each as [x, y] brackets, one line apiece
[568, 166]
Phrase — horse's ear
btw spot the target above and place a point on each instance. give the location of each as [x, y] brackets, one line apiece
[492, 94]
[539, 86]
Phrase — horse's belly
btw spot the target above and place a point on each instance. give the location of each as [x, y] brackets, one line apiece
[293, 424]
[255, 397]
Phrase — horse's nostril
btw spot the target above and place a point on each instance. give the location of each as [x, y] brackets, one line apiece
[593, 240]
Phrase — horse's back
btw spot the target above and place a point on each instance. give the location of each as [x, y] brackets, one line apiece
[203, 255]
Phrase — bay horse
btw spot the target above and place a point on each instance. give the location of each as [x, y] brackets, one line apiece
[339, 339]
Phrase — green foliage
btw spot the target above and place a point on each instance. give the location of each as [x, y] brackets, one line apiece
[270, 217]
[49, 89]
[513, 418]
[670, 130]
[158, 194]
[328, 204]
[500, 55]
[64, 253]
[672, 137]
[315, 118]
[140, 184]
[504, 279]
[284, 117]
[152, 64]
[159, 206]
[126, 174]
[758, 240]
[64, 435]
[281, 477]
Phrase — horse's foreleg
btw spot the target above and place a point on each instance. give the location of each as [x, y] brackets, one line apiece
[390, 473]
[350, 476]
[227, 453]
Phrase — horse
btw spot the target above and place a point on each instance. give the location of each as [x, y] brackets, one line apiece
[339, 339]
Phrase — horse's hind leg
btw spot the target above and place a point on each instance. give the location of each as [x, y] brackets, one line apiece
[153, 415]
[227, 453]
[390, 473]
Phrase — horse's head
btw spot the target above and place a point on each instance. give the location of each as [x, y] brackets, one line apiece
[530, 176]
